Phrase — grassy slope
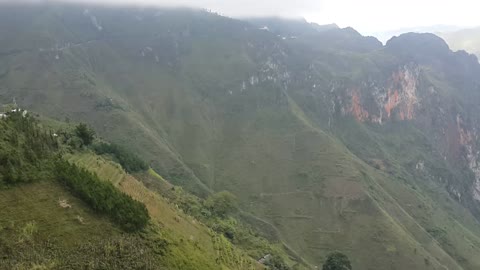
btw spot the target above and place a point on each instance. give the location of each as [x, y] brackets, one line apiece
[45, 227]
[426, 201]
[193, 245]
[40, 233]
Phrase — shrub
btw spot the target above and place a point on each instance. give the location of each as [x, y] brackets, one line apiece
[26, 150]
[130, 162]
[222, 203]
[337, 261]
[103, 197]
[85, 133]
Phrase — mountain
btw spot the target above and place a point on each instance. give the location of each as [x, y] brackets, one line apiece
[329, 139]
[385, 36]
[463, 39]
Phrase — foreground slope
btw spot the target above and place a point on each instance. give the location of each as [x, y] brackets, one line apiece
[49, 225]
[330, 140]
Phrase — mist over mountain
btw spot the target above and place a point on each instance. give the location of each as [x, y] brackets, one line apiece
[463, 39]
[385, 36]
[256, 143]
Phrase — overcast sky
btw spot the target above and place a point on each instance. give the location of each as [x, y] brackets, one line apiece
[367, 16]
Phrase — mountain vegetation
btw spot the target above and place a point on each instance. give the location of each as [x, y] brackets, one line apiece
[85, 134]
[337, 261]
[27, 151]
[130, 162]
[64, 214]
[271, 142]
[103, 196]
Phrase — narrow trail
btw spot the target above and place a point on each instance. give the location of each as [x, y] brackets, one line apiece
[47, 50]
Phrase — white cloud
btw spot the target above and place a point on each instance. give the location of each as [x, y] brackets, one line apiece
[233, 8]
[370, 16]
[367, 16]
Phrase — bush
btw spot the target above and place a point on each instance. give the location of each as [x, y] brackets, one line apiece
[103, 197]
[130, 162]
[222, 203]
[276, 263]
[337, 261]
[26, 151]
[85, 133]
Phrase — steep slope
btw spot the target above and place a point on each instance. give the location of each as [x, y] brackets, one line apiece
[330, 140]
[48, 225]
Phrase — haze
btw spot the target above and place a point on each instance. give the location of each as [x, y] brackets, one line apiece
[370, 17]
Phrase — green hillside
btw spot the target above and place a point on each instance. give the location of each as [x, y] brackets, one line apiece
[329, 140]
[50, 223]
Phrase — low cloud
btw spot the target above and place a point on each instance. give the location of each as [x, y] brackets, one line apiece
[366, 16]
[234, 8]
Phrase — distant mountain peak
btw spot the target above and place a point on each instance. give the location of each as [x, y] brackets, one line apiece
[419, 44]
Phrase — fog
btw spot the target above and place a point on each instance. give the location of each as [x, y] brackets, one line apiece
[367, 16]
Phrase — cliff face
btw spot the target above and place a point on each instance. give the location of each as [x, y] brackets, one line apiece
[400, 99]
[466, 138]
[397, 99]
[425, 94]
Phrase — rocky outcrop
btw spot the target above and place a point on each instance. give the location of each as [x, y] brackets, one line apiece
[356, 108]
[402, 94]
[466, 140]
[396, 99]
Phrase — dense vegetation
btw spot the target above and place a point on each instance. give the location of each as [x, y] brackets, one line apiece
[222, 203]
[26, 150]
[29, 153]
[129, 161]
[337, 261]
[102, 196]
[48, 228]
[85, 133]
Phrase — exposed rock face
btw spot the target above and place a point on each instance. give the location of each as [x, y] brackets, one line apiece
[467, 140]
[402, 94]
[356, 108]
[397, 99]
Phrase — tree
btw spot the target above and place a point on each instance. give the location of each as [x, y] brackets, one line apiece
[129, 161]
[221, 203]
[337, 261]
[102, 196]
[85, 133]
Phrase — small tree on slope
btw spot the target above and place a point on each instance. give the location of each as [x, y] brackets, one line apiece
[337, 261]
[85, 134]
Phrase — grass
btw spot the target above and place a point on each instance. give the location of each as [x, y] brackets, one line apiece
[48, 227]
[39, 232]
[192, 245]
[423, 207]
